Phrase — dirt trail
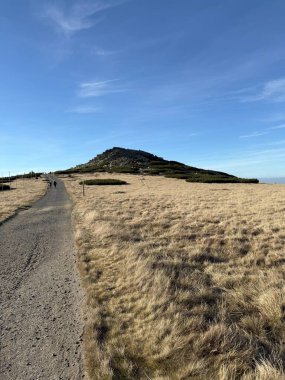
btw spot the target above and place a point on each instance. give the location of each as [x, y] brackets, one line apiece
[40, 318]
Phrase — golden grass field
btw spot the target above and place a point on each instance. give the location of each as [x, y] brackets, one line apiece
[183, 280]
[24, 192]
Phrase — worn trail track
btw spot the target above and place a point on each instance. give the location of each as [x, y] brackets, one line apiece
[40, 300]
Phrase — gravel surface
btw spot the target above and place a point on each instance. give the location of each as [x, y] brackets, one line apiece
[40, 319]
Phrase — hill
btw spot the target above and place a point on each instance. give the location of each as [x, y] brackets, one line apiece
[122, 160]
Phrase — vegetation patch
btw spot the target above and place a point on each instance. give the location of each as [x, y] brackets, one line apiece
[103, 182]
[4, 187]
[124, 169]
[217, 179]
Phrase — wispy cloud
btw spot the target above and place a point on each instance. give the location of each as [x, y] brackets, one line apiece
[262, 133]
[84, 110]
[268, 130]
[278, 126]
[254, 134]
[79, 16]
[273, 91]
[103, 52]
[93, 89]
[274, 118]
[280, 142]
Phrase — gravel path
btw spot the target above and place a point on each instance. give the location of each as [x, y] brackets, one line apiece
[40, 318]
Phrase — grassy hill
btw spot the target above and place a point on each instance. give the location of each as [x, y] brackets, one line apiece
[121, 160]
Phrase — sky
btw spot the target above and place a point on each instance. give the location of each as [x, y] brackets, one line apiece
[196, 81]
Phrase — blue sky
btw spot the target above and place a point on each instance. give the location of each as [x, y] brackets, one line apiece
[197, 81]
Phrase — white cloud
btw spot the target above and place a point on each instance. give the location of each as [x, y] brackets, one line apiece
[78, 16]
[93, 89]
[273, 91]
[84, 110]
[254, 134]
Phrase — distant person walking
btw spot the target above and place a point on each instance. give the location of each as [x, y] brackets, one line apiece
[54, 183]
[50, 184]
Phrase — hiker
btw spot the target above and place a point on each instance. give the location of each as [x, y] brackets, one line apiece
[54, 183]
[50, 184]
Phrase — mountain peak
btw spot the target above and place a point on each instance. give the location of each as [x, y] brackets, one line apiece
[124, 160]
[122, 157]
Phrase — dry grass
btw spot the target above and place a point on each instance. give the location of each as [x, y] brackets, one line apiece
[184, 281]
[23, 192]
